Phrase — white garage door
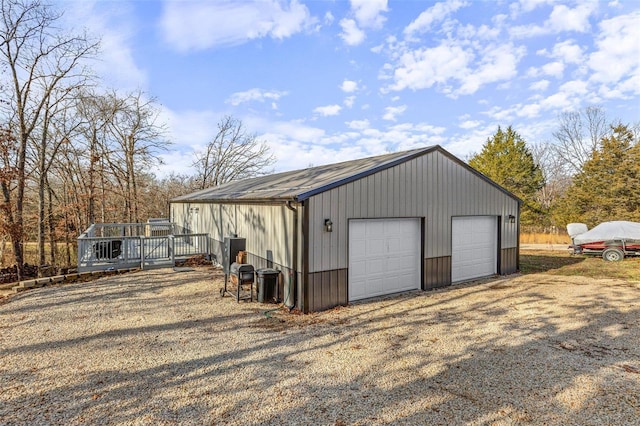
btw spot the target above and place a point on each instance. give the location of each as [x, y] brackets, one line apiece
[384, 257]
[473, 247]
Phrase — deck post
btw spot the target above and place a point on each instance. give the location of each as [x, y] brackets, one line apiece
[172, 251]
[142, 261]
[125, 250]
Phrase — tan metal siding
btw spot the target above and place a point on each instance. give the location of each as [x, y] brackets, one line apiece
[267, 228]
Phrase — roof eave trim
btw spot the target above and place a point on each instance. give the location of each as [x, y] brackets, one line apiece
[273, 201]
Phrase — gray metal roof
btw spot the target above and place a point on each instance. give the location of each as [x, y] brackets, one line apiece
[298, 185]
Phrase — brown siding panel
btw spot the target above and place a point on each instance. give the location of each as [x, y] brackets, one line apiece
[329, 289]
[437, 272]
[509, 261]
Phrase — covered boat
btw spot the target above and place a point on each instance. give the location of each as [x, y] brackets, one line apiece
[613, 240]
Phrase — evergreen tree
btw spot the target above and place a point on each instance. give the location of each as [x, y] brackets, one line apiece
[506, 160]
[608, 186]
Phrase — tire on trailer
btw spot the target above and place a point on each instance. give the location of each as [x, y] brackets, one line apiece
[613, 254]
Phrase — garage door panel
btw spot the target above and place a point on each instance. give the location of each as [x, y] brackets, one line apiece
[359, 267]
[373, 229]
[375, 247]
[375, 267]
[473, 247]
[392, 253]
[359, 249]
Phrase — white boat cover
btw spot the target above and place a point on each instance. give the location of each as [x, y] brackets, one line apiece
[574, 229]
[616, 230]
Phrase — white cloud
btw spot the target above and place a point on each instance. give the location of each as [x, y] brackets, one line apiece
[176, 162]
[485, 32]
[349, 101]
[288, 130]
[191, 129]
[575, 87]
[349, 86]
[617, 58]
[554, 69]
[115, 26]
[391, 113]
[363, 14]
[198, 25]
[501, 114]
[434, 14]
[358, 124]
[328, 18]
[297, 145]
[466, 143]
[328, 110]
[539, 86]
[568, 52]
[499, 63]
[424, 67]
[452, 63]
[557, 101]
[368, 13]
[527, 6]
[254, 94]
[469, 124]
[351, 34]
[561, 19]
[528, 111]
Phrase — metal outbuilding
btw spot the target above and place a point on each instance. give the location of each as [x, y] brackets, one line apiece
[418, 219]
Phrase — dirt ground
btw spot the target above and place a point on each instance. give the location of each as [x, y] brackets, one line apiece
[162, 347]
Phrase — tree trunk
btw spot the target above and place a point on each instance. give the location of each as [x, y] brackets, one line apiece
[66, 226]
[52, 227]
[93, 159]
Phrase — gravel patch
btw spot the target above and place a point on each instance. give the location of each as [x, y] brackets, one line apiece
[161, 347]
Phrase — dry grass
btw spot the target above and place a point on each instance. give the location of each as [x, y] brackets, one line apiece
[543, 238]
[31, 254]
[563, 263]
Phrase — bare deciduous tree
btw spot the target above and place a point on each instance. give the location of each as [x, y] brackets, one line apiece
[95, 112]
[8, 174]
[39, 59]
[578, 136]
[554, 171]
[136, 140]
[232, 154]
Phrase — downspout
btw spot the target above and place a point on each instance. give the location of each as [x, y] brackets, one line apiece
[293, 282]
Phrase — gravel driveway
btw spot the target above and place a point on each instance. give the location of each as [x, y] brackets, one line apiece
[162, 347]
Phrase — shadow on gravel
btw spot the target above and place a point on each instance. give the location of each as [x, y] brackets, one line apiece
[110, 288]
[413, 359]
[537, 263]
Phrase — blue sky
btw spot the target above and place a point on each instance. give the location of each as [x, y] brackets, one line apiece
[327, 81]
